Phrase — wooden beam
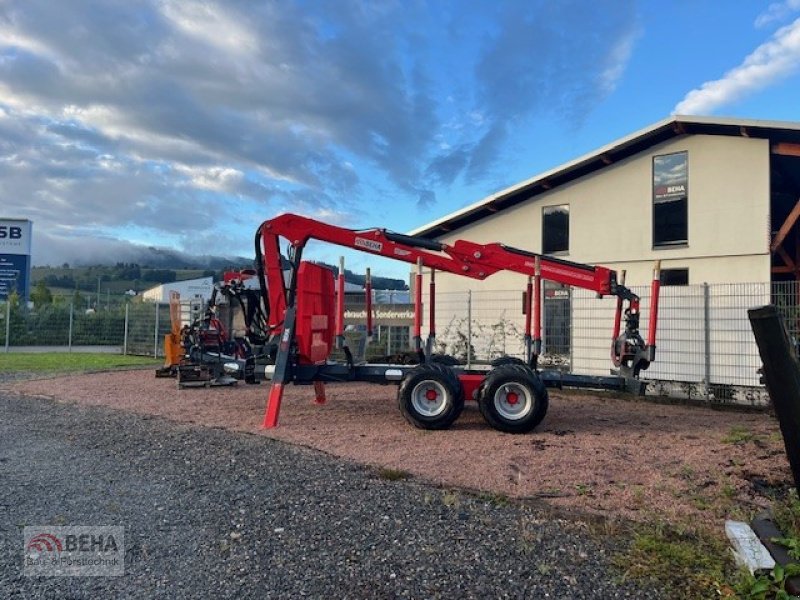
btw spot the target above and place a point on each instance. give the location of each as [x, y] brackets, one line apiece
[547, 185]
[786, 227]
[743, 131]
[786, 149]
[782, 270]
[679, 128]
[786, 258]
[606, 159]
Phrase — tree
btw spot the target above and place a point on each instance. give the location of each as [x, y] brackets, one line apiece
[41, 295]
[77, 299]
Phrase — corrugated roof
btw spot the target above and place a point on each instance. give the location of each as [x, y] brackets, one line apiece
[666, 129]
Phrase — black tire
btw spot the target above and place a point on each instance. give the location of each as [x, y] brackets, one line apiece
[507, 360]
[518, 383]
[447, 396]
[444, 359]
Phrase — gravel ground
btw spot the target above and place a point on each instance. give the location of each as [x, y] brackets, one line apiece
[214, 513]
[592, 453]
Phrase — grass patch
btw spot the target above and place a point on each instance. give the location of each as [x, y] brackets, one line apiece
[738, 435]
[393, 474]
[687, 564]
[16, 362]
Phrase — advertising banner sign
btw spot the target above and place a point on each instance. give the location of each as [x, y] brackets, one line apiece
[15, 257]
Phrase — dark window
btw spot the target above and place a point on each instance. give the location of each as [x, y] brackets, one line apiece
[674, 276]
[670, 199]
[555, 229]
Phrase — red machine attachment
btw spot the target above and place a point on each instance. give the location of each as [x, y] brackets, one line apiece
[629, 351]
[511, 393]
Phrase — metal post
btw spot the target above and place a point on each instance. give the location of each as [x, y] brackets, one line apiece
[71, 319]
[782, 378]
[155, 336]
[707, 337]
[8, 323]
[469, 328]
[125, 334]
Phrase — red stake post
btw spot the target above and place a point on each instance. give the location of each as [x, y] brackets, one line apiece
[418, 307]
[537, 308]
[368, 292]
[655, 290]
[340, 306]
[432, 311]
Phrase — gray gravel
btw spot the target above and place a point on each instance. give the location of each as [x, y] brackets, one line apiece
[210, 513]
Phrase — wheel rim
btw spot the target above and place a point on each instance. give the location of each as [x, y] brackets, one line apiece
[429, 398]
[513, 401]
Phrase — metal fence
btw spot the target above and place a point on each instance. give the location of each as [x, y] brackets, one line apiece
[705, 347]
[133, 328]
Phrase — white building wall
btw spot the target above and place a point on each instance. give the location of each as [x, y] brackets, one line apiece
[611, 225]
[189, 289]
[611, 217]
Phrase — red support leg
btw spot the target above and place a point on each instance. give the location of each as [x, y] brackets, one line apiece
[319, 392]
[273, 406]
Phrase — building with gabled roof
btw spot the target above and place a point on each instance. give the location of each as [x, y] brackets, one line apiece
[715, 199]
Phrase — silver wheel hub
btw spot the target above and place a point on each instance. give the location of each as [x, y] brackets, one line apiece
[429, 398]
[513, 401]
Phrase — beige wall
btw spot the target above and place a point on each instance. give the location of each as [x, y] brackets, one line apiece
[611, 217]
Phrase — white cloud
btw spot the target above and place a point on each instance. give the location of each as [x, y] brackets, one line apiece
[777, 11]
[152, 114]
[772, 61]
[617, 61]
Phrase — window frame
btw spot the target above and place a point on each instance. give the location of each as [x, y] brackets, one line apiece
[674, 271]
[553, 208]
[681, 243]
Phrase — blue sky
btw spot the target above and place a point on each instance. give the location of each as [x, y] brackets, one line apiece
[184, 124]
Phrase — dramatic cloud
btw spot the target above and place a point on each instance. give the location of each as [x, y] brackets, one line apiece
[771, 62]
[177, 118]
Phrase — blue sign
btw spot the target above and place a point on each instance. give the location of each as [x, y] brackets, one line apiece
[14, 271]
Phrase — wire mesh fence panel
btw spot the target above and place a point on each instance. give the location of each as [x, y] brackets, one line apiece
[680, 339]
[498, 324]
[786, 296]
[104, 327]
[733, 357]
[145, 335]
[45, 326]
[592, 320]
[453, 332]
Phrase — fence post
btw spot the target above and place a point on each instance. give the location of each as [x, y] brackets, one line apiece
[707, 337]
[469, 329]
[125, 334]
[69, 336]
[155, 334]
[8, 323]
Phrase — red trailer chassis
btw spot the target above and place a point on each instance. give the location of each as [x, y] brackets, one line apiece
[511, 392]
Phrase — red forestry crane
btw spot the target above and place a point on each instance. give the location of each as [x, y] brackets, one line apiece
[512, 396]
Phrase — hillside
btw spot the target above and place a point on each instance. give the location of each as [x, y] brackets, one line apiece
[117, 279]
